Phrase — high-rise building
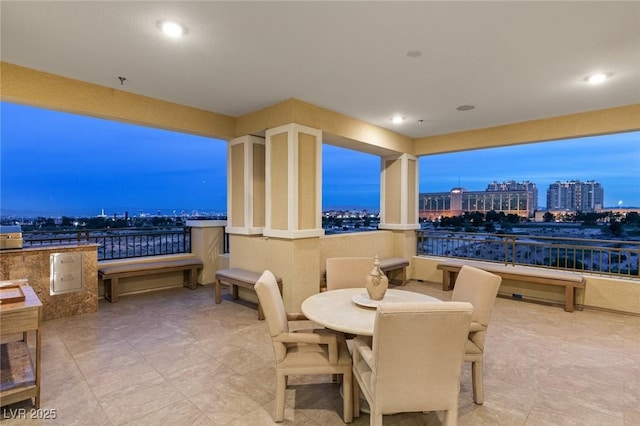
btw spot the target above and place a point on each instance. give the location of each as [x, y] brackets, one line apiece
[575, 195]
[510, 197]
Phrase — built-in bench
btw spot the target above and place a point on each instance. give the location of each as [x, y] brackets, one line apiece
[569, 280]
[110, 274]
[394, 264]
[235, 278]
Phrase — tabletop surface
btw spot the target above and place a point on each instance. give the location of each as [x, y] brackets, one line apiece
[31, 300]
[336, 309]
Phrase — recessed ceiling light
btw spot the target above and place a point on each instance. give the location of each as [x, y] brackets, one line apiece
[397, 119]
[172, 29]
[465, 108]
[597, 78]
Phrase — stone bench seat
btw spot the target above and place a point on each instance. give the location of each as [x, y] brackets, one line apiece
[110, 274]
[237, 277]
[393, 264]
[567, 279]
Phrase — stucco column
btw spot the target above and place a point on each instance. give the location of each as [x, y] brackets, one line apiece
[293, 182]
[207, 243]
[399, 192]
[293, 205]
[399, 203]
[287, 243]
[245, 185]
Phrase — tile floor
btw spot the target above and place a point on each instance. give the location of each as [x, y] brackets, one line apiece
[175, 358]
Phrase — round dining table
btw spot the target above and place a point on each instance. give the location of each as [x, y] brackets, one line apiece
[351, 311]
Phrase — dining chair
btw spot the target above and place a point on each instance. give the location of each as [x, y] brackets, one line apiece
[414, 361]
[347, 272]
[479, 288]
[302, 352]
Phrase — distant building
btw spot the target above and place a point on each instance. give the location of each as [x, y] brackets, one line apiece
[509, 197]
[575, 195]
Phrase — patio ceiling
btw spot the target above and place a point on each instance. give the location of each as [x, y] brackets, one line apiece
[513, 61]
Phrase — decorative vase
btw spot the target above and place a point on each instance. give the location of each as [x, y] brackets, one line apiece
[377, 281]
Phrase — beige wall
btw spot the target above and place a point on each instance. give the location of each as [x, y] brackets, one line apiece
[301, 262]
[294, 261]
[207, 244]
[358, 134]
[27, 86]
[612, 120]
[359, 244]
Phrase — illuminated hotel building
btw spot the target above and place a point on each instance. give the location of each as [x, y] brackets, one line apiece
[509, 197]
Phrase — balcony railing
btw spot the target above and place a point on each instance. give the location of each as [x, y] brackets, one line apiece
[604, 257]
[119, 243]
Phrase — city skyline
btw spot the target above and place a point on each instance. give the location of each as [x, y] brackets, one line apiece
[55, 163]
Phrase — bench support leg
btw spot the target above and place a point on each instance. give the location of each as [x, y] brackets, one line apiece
[111, 289]
[390, 275]
[189, 278]
[448, 279]
[218, 292]
[569, 296]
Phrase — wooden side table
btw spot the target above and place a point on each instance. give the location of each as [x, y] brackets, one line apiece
[20, 373]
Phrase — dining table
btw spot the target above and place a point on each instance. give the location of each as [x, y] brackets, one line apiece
[350, 310]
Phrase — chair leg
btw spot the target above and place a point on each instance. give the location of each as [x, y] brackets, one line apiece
[476, 380]
[451, 417]
[281, 390]
[356, 398]
[347, 395]
[376, 420]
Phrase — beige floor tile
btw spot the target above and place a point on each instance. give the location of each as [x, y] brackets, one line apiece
[175, 357]
[135, 400]
[180, 413]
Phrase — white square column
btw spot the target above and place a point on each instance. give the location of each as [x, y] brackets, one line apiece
[293, 184]
[246, 185]
[399, 193]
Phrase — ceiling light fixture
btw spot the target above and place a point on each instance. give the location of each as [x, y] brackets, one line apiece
[465, 108]
[172, 29]
[397, 119]
[597, 78]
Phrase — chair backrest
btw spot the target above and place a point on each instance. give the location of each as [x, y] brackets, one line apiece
[274, 311]
[348, 272]
[418, 351]
[479, 288]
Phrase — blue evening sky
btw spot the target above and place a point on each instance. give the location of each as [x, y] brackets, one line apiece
[55, 163]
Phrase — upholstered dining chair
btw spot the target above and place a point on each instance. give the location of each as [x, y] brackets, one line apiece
[302, 353]
[479, 288]
[415, 360]
[347, 272]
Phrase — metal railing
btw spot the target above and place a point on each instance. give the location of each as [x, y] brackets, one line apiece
[119, 243]
[605, 257]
